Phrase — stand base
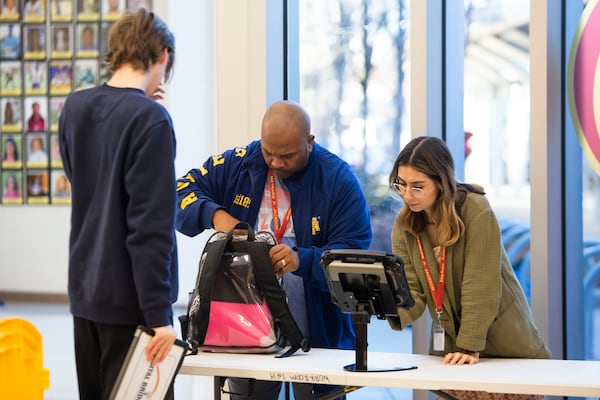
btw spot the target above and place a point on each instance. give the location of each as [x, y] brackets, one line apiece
[352, 368]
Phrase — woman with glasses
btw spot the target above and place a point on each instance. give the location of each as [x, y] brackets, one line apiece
[449, 239]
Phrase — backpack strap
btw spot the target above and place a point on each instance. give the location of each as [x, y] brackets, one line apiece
[275, 298]
[199, 307]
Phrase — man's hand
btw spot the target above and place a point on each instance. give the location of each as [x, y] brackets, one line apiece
[159, 346]
[223, 221]
[284, 259]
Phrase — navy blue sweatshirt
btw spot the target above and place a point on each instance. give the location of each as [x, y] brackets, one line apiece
[118, 150]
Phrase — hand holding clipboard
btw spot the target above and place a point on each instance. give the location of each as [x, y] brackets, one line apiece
[138, 378]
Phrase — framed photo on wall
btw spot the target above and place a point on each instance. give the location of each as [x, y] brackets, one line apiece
[10, 78]
[36, 78]
[37, 150]
[10, 10]
[61, 10]
[85, 74]
[37, 182]
[62, 41]
[61, 188]
[88, 10]
[12, 151]
[34, 38]
[112, 9]
[61, 77]
[34, 11]
[36, 114]
[87, 40]
[11, 117]
[12, 187]
[10, 41]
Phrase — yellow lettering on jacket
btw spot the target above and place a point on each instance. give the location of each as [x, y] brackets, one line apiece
[189, 177]
[182, 185]
[240, 151]
[187, 200]
[315, 225]
[241, 200]
[218, 160]
[203, 171]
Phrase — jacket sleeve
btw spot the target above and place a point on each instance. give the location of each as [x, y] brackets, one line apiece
[202, 191]
[62, 144]
[150, 182]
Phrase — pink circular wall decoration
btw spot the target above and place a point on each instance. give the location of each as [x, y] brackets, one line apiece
[584, 83]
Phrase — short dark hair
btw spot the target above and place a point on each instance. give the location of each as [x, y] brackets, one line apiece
[139, 39]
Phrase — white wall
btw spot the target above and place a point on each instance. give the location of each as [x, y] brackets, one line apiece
[218, 86]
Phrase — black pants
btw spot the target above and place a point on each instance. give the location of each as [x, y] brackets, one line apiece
[100, 349]
[241, 389]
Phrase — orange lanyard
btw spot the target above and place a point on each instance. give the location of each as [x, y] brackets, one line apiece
[436, 293]
[276, 229]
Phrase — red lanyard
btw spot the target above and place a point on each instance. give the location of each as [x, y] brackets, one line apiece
[276, 229]
[436, 293]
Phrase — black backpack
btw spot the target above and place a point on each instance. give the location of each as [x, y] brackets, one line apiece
[235, 271]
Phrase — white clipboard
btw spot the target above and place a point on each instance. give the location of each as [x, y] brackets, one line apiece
[138, 379]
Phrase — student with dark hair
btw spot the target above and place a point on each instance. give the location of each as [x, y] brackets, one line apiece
[118, 148]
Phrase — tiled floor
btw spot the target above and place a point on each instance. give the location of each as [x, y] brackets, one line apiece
[54, 322]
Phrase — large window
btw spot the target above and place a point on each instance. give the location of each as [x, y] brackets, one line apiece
[354, 60]
[354, 69]
[497, 116]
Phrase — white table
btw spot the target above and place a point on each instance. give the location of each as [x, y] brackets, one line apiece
[323, 366]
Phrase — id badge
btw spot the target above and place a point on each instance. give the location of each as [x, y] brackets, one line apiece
[438, 337]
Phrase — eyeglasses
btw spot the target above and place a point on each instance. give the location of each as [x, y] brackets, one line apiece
[401, 188]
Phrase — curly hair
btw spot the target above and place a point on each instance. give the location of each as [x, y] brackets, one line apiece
[139, 39]
[430, 156]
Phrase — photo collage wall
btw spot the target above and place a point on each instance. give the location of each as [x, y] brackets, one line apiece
[48, 48]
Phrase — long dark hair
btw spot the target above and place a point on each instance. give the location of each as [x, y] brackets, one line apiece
[430, 156]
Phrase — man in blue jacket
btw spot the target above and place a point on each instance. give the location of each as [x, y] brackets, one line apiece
[308, 197]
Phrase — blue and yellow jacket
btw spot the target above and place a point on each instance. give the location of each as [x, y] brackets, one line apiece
[329, 211]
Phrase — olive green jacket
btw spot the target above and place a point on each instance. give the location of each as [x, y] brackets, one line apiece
[484, 308]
